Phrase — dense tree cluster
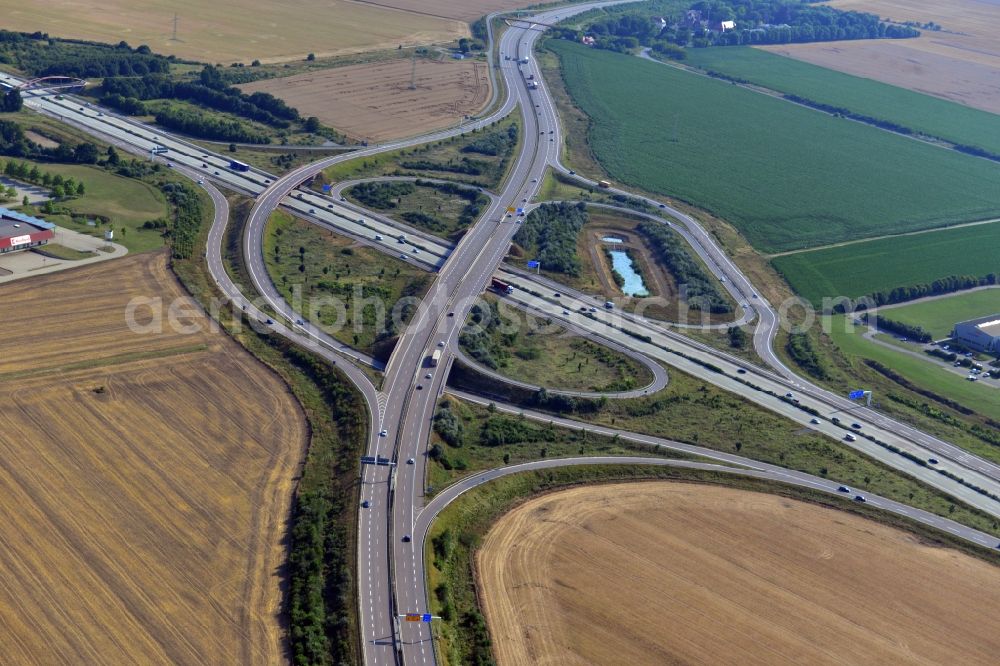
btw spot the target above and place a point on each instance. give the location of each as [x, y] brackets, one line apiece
[448, 427]
[502, 430]
[465, 166]
[550, 233]
[737, 337]
[217, 129]
[497, 142]
[14, 143]
[482, 340]
[381, 195]
[39, 55]
[800, 348]
[187, 218]
[702, 293]
[212, 91]
[11, 101]
[753, 22]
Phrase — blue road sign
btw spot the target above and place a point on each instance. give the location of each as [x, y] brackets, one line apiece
[426, 617]
[533, 264]
[854, 395]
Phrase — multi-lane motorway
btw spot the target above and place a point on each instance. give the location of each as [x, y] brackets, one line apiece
[394, 522]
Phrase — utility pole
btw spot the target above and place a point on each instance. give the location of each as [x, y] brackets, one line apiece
[173, 38]
[413, 70]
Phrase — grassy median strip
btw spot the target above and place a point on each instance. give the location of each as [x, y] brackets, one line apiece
[462, 634]
[694, 412]
[469, 438]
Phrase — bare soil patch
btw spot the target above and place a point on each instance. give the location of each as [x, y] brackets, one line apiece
[43, 141]
[234, 31]
[375, 101]
[668, 573]
[145, 481]
[960, 63]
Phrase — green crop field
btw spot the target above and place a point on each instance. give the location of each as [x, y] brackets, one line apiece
[939, 316]
[862, 268]
[922, 113]
[788, 177]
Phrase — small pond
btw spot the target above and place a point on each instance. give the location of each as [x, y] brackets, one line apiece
[622, 264]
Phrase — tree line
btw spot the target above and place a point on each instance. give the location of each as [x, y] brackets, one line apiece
[28, 173]
[913, 332]
[702, 293]
[40, 55]
[465, 166]
[945, 285]
[218, 129]
[211, 90]
[14, 143]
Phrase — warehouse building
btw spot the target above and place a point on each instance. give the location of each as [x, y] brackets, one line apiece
[21, 232]
[981, 334]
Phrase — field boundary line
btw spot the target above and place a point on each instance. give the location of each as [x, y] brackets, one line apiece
[883, 237]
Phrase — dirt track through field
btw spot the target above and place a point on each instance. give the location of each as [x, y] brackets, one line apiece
[144, 497]
[376, 102]
[671, 573]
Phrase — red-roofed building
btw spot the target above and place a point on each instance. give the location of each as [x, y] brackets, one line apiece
[22, 232]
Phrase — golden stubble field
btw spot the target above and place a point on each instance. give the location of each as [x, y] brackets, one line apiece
[227, 31]
[671, 573]
[463, 10]
[960, 63]
[375, 102]
[142, 522]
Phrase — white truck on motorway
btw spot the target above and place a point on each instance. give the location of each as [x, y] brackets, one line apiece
[435, 358]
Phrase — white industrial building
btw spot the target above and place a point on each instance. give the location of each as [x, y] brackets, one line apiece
[982, 334]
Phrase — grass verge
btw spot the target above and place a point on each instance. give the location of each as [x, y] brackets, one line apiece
[447, 158]
[693, 412]
[469, 438]
[364, 297]
[540, 353]
[321, 602]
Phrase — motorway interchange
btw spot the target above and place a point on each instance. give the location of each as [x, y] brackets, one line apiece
[395, 517]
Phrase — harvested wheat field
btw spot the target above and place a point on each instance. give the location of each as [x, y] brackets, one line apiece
[462, 10]
[960, 63]
[375, 101]
[145, 481]
[672, 573]
[227, 31]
